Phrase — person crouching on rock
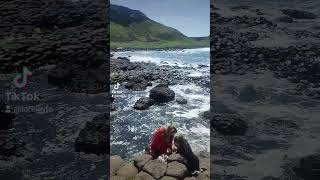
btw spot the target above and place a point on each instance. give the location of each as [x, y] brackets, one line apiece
[162, 141]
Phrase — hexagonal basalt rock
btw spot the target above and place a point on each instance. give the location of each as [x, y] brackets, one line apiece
[115, 163]
[155, 168]
[177, 170]
[140, 161]
[128, 170]
[177, 157]
[168, 178]
[143, 176]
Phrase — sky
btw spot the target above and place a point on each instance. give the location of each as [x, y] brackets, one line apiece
[191, 17]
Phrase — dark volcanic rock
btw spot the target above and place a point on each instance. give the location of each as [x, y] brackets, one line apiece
[309, 167]
[162, 93]
[143, 103]
[285, 19]
[298, 14]
[181, 101]
[94, 137]
[136, 84]
[230, 124]
[45, 32]
[78, 79]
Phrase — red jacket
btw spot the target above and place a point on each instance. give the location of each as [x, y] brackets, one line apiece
[158, 143]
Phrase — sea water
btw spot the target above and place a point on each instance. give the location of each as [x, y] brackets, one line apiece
[132, 130]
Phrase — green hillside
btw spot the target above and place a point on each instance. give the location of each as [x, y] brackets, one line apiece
[132, 29]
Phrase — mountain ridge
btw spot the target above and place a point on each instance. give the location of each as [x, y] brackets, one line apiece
[133, 29]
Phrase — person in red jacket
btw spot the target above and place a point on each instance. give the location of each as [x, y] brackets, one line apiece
[162, 141]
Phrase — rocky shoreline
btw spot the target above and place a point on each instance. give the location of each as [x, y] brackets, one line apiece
[144, 168]
[264, 74]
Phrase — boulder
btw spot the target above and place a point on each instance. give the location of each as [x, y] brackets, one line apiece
[143, 176]
[93, 138]
[168, 178]
[162, 93]
[155, 168]
[177, 157]
[115, 164]
[177, 170]
[136, 84]
[206, 115]
[229, 124]
[143, 103]
[181, 101]
[201, 176]
[309, 167]
[141, 160]
[298, 14]
[205, 166]
[128, 170]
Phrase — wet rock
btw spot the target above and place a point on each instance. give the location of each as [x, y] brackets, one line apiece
[181, 101]
[136, 84]
[143, 103]
[206, 115]
[309, 167]
[168, 178]
[115, 164]
[94, 137]
[229, 124]
[162, 93]
[155, 168]
[124, 58]
[144, 176]
[128, 171]
[177, 157]
[298, 14]
[177, 170]
[140, 161]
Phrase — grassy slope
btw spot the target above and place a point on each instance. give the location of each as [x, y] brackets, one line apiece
[150, 35]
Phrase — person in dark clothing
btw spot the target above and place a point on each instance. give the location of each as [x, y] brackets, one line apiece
[185, 150]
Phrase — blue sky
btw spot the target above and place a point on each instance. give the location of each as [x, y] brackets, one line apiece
[191, 17]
